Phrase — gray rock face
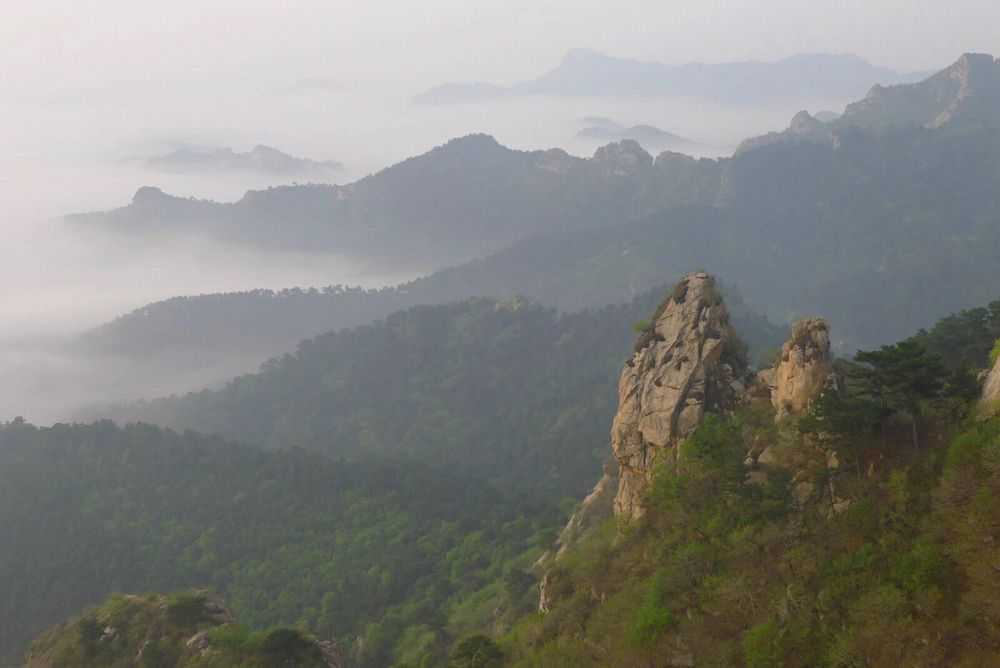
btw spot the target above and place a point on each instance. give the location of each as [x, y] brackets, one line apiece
[688, 362]
[990, 403]
[804, 368]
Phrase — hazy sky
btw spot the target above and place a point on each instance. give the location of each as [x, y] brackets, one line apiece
[50, 46]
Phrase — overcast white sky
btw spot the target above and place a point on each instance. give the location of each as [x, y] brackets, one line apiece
[53, 46]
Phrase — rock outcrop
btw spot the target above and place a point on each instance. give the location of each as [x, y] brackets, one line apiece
[990, 402]
[803, 369]
[687, 362]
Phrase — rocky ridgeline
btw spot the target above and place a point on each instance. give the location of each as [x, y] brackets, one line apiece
[689, 361]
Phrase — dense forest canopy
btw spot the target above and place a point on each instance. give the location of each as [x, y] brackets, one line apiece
[511, 393]
[383, 551]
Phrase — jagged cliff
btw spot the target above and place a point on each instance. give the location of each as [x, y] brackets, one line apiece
[687, 361]
[802, 370]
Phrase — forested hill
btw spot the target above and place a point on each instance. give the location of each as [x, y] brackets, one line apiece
[839, 513]
[507, 392]
[380, 551]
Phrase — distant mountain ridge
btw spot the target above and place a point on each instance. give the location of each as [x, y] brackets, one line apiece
[260, 158]
[968, 91]
[586, 72]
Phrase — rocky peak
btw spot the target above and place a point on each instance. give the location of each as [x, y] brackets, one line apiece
[623, 158]
[687, 362]
[802, 370]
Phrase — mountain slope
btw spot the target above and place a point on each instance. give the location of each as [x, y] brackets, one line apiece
[818, 535]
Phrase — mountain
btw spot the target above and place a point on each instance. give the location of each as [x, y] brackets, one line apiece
[261, 158]
[381, 555]
[967, 92]
[651, 138]
[504, 392]
[874, 261]
[751, 531]
[882, 229]
[801, 78]
[472, 196]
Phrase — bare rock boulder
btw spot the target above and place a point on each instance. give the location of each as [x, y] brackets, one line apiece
[803, 369]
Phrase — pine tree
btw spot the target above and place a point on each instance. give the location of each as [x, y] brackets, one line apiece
[903, 375]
